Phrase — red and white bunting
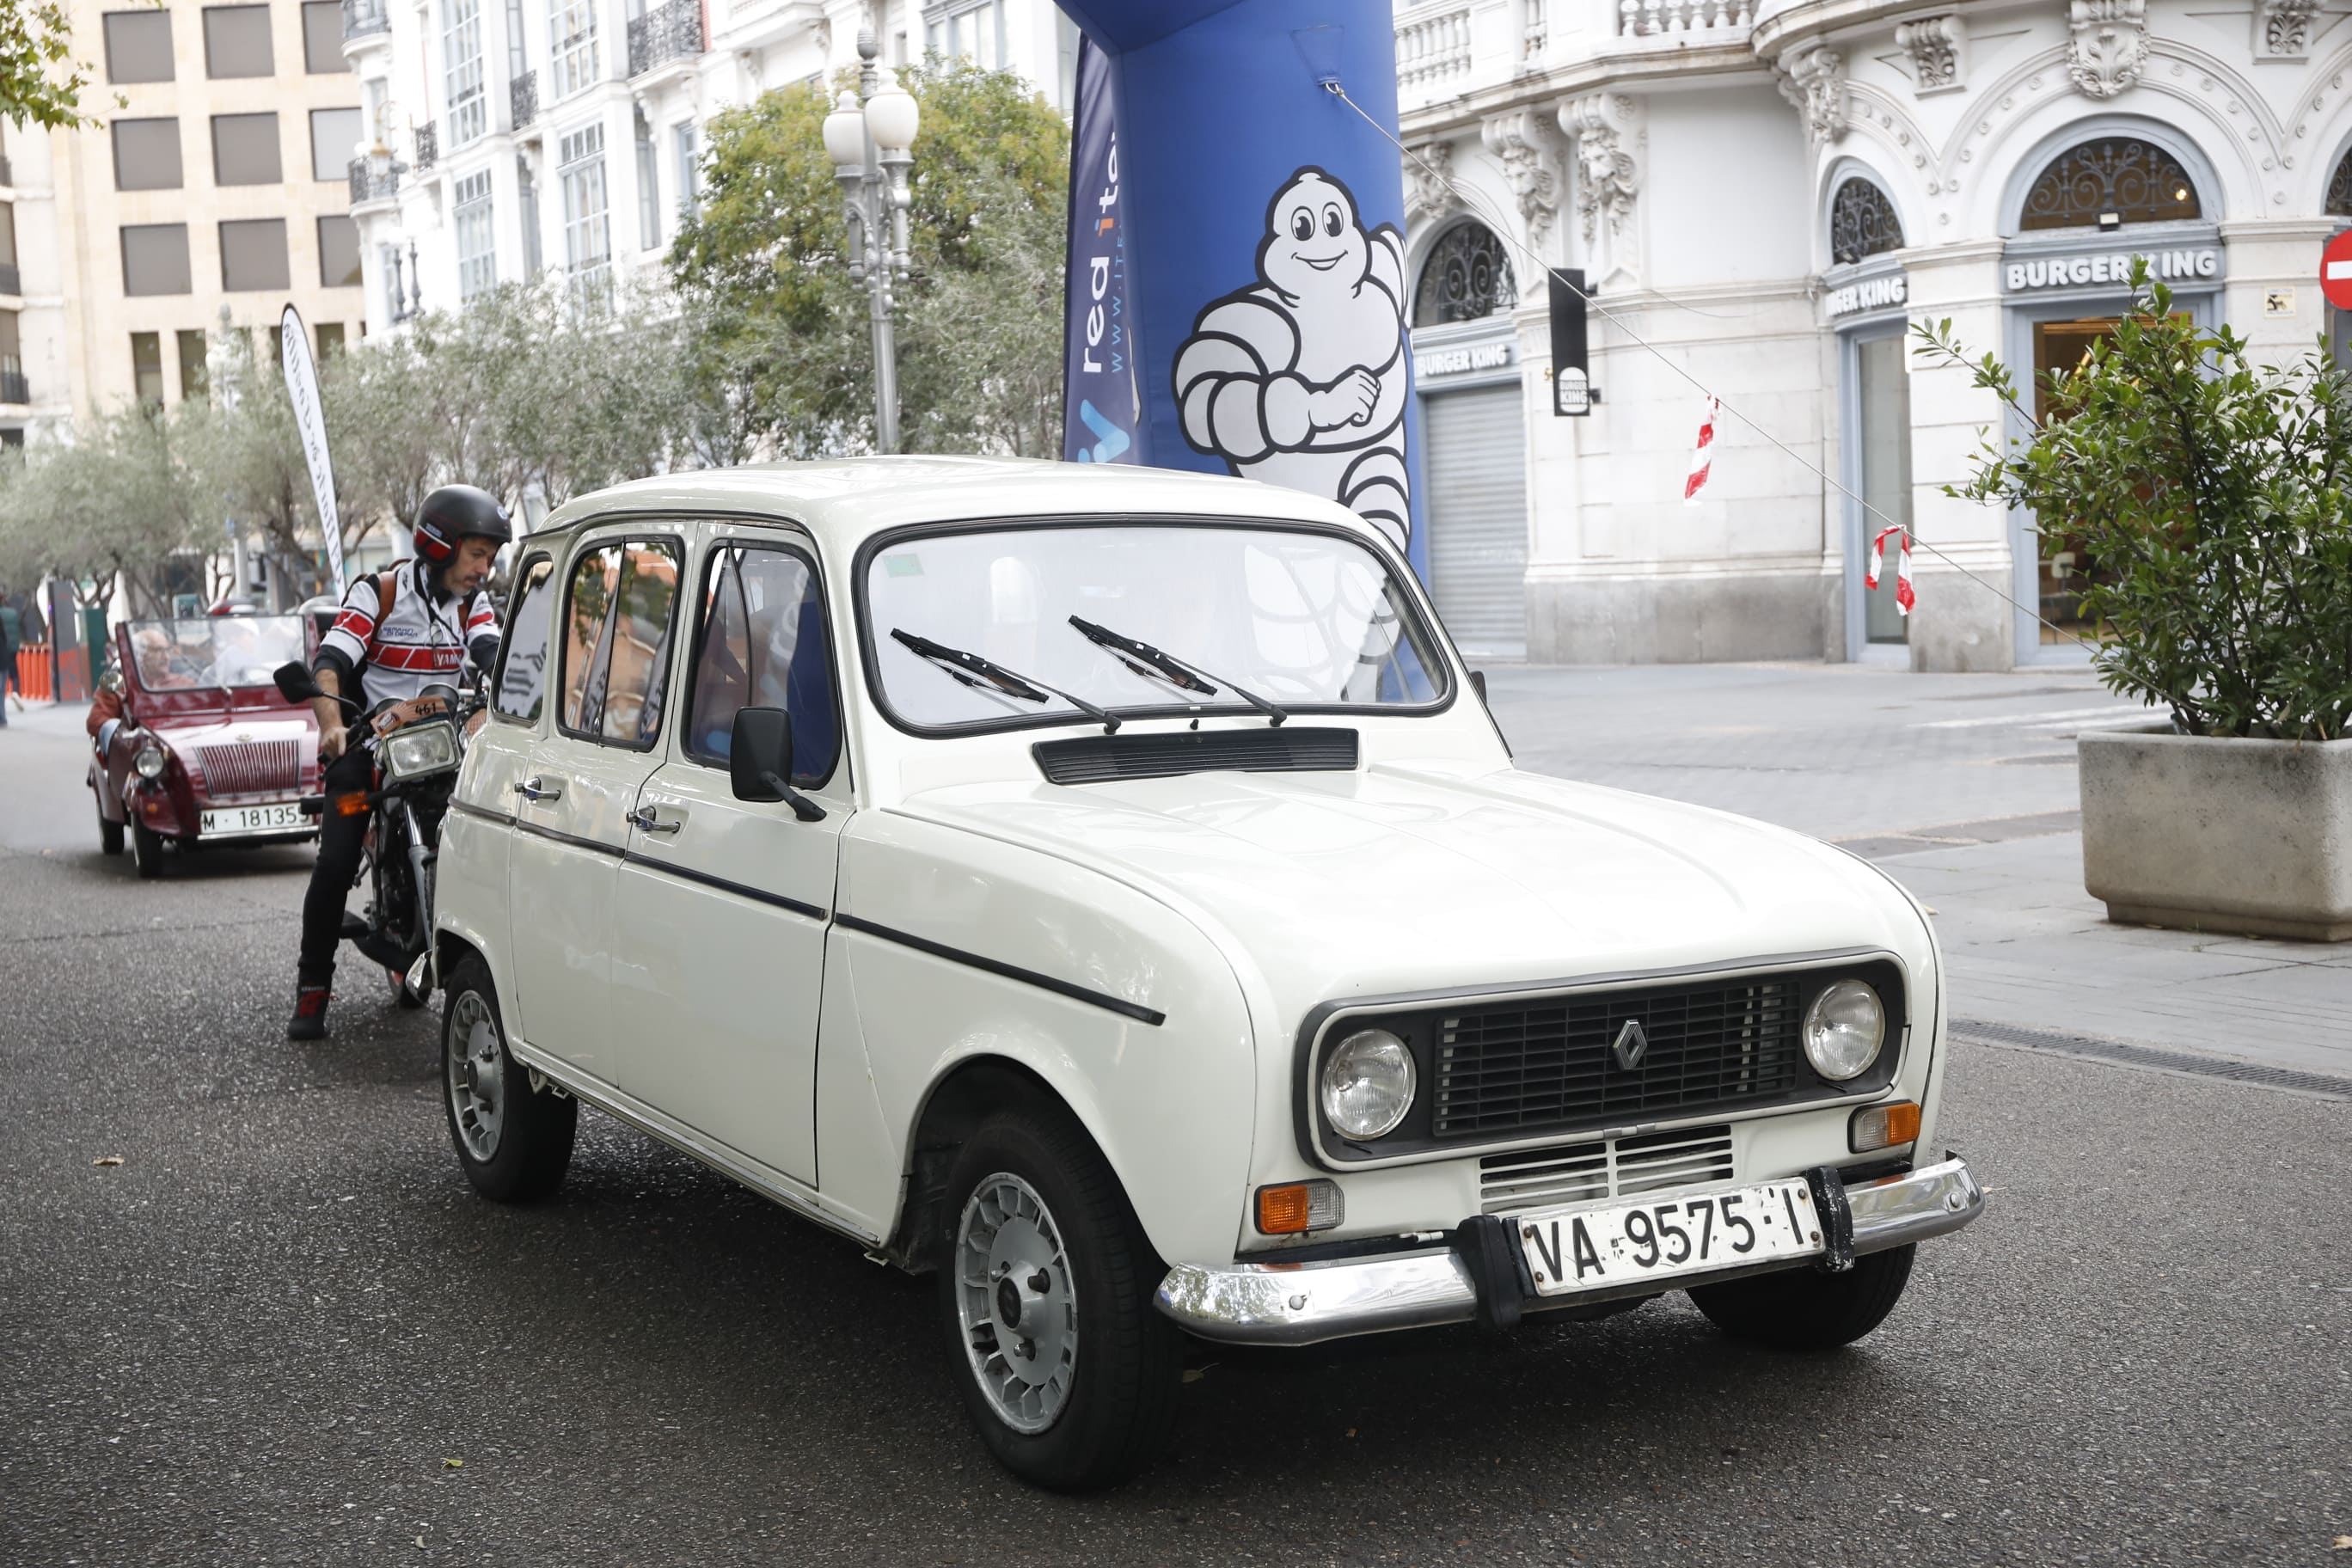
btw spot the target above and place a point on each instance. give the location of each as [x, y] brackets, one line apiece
[1702, 453]
[1904, 597]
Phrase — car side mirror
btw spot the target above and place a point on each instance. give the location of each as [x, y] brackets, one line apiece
[295, 682]
[1478, 683]
[760, 761]
[112, 682]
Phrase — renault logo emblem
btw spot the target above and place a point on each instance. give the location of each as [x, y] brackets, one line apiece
[1631, 1045]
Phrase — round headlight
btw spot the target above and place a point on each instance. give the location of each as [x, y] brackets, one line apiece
[1368, 1084]
[1844, 1030]
[148, 760]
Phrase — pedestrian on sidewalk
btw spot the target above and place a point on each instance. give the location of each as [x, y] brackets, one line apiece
[12, 638]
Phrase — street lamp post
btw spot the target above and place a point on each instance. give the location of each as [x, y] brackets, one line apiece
[868, 142]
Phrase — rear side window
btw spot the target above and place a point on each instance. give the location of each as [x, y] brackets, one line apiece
[764, 644]
[618, 614]
[521, 689]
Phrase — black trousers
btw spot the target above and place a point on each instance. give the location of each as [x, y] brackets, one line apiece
[340, 841]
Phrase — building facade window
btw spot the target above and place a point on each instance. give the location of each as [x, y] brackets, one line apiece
[146, 154]
[2109, 181]
[689, 172]
[253, 254]
[573, 59]
[339, 251]
[967, 30]
[334, 135]
[331, 338]
[461, 56]
[478, 261]
[193, 370]
[147, 369]
[138, 46]
[1862, 223]
[155, 258]
[236, 41]
[587, 227]
[323, 37]
[1467, 278]
[245, 150]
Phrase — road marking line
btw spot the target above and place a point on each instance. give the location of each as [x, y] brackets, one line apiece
[2104, 710]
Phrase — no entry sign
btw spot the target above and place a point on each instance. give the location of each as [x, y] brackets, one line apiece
[2336, 271]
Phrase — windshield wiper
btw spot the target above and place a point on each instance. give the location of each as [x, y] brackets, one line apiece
[975, 671]
[1157, 664]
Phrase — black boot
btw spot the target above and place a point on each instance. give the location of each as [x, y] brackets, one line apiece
[310, 1019]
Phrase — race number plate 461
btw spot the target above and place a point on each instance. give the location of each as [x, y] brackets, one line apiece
[1593, 1245]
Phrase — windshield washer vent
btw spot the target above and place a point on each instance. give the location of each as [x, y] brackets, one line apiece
[1101, 759]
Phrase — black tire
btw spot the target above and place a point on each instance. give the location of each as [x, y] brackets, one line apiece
[146, 852]
[530, 1147]
[1127, 1364]
[1804, 1309]
[110, 834]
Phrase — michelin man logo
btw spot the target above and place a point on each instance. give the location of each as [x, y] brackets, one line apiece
[1300, 378]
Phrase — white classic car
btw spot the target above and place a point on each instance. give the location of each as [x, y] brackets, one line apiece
[1107, 889]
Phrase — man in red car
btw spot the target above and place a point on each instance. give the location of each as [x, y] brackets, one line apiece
[415, 624]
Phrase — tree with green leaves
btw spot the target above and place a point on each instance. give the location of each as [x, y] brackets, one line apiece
[41, 83]
[779, 347]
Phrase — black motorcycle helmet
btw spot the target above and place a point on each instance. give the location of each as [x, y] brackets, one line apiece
[454, 512]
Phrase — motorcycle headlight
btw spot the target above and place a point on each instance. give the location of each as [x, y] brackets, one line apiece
[1844, 1028]
[148, 761]
[1367, 1084]
[418, 750]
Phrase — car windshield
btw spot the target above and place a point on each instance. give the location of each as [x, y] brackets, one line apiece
[212, 650]
[1307, 620]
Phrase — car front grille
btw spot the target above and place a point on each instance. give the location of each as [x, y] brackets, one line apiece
[1504, 1070]
[250, 767]
[1612, 1168]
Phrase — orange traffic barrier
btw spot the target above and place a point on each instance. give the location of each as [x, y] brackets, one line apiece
[33, 667]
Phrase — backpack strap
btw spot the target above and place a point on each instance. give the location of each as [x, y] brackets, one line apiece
[384, 589]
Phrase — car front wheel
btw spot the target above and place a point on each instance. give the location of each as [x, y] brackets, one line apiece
[1803, 1309]
[110, 834]
[1046, 1288]
[146, 850]
[513, 1140]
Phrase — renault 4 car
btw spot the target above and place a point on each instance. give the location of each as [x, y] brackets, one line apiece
[1108, 892]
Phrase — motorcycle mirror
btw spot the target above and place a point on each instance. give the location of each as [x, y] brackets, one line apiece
[295, 682]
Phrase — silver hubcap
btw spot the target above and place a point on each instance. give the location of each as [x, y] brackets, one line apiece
[477, 1081]
[1015, 1303]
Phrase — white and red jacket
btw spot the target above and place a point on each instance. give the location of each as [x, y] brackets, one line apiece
[393, 635]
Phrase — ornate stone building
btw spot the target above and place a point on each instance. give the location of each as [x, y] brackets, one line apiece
[1769, 193]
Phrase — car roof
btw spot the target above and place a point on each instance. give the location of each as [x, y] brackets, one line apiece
[844, 500]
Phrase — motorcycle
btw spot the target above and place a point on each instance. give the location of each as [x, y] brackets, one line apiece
[420, 742]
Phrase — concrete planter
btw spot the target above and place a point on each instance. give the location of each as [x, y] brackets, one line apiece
[2251, 836]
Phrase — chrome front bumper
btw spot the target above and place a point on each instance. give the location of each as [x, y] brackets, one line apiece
[1304, 1303]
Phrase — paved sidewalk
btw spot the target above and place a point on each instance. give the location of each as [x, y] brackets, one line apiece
[1964, 787]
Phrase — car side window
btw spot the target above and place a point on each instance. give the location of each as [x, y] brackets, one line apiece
[521, 691]
[764, 644]
[617, 615]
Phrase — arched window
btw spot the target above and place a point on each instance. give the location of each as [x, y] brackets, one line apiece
[1467, 277]
[2339, 189]
[1861, 222]
[2113, 181]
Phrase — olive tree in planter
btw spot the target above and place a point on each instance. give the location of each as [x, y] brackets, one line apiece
[2212, 496]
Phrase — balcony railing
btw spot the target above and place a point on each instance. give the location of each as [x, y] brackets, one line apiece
[362, 17]
[429, 146]
[13, 387]
[1653, 18]
[667, 32]
[372, 185]
[11, 281]
[1433, 45]
[522, 97]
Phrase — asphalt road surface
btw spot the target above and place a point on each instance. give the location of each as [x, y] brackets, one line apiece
[282, 1330]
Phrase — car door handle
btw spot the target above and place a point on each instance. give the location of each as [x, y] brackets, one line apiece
[532, 789]
[643, 821]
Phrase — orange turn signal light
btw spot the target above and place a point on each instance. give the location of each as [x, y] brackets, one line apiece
[1884, 1127]
[1298, 1207]
[352, 805]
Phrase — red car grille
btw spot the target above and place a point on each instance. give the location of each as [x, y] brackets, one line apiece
[250, 767]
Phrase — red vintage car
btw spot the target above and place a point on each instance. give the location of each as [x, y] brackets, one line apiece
[206, 752]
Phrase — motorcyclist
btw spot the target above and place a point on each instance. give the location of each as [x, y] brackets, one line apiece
[416, 624]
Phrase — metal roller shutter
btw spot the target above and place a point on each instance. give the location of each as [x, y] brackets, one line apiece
[1473, 459]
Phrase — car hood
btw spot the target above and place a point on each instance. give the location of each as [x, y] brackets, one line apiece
[1399, 879]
